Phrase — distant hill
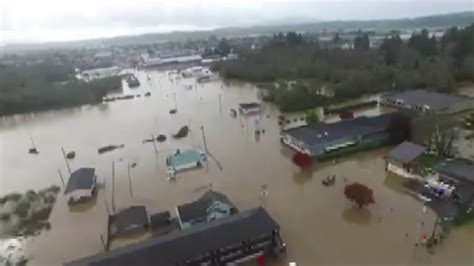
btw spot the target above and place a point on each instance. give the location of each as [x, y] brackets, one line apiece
[434, 21]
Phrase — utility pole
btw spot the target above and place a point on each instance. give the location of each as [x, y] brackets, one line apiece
[65, 159]
[154, 144]
[175, 102]
[61, 177]
[205, 147]
[129, 180]
[107, 206]
[220, 103]
[113, 187]
[434, 227]
[103, 242]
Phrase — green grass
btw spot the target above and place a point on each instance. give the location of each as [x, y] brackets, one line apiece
[429, 161]
[464, 219]
[350, 107]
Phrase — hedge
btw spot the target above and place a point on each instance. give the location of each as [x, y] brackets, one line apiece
[350, 107]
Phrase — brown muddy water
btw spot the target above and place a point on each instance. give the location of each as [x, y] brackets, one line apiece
[319, 225]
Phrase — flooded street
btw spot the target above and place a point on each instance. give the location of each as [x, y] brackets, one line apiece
[318, 223]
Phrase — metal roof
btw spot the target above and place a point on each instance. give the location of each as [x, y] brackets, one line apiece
[198, 208]
[249, 105]
[130, 217]
[82, 178]
[434, 100]
[459, 169]
[184, 157]
[406, 152]
[180, 246]
[348, 128]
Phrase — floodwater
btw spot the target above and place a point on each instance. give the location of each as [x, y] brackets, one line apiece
[318, 224]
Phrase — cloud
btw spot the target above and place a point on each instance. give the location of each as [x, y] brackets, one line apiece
[63, 19]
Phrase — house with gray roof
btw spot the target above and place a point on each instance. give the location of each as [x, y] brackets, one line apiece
[321, 138]
[129, 221]
[81, 185]
[424, 101]
[211, 206]
[403, 160]
[232, 239]
[457, 170]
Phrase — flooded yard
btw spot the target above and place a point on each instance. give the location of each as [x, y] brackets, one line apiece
[319, 225]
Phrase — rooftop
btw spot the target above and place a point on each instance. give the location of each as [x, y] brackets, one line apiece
[184, 158]
[187, 244]
[249, 105]
[434, 100]
[406, 152]
[133, 216]
[198, 208]
[323, 132]
[459, 169]
[82, 178]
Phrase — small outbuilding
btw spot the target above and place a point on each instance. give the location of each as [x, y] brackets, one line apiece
[81, 185]
[403, 160]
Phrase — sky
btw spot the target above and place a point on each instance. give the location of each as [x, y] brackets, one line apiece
[64, 20]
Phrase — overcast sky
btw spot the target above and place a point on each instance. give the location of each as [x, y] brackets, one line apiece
[59, 20]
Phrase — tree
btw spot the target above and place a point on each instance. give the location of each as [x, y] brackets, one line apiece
[399, 127]
[336, 39]
[391, 49]
[311, 118]
[362, 42]
[359, 194]
[293, 38]
[444, 140]
[422, 42]
[224, 47]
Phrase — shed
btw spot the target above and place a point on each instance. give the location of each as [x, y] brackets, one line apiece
[403, 159]
[160, 219]
[81, 185]
[249, 108]
[130, 220]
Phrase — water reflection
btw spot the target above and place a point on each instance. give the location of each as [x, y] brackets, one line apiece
[358, 216]
[303, 176]
[295, 198]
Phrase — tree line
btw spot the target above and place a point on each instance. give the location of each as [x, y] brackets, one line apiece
[423, 61]
[28, 88]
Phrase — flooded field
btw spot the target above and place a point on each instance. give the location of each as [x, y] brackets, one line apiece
[319, 225]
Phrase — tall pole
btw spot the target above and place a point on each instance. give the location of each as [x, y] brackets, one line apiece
[154, 144]
[107, 206]
[175, 102]
[220, 103]
[113, 187]
[129, 180]
[103, 242]
[32, 142]
[61, 177]
[434, 227]
[205, 147]
[65, 159]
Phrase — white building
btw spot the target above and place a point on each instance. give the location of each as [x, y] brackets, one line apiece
[98, 73]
